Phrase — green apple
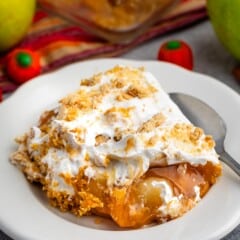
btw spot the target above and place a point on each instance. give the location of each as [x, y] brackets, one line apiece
[225, 18]
[15, 19]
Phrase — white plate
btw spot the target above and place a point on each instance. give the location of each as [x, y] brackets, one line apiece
[23, 212]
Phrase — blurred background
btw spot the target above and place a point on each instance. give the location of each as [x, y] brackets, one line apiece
[57, 33]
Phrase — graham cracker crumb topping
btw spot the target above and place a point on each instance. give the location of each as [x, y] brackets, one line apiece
[156, 121]
[100, 139]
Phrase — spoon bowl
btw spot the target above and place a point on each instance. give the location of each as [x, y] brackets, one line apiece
[203, 116]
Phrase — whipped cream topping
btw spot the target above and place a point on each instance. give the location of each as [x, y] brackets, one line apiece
[119, 124]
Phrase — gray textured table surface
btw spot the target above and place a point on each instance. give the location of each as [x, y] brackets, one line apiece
[210, 59]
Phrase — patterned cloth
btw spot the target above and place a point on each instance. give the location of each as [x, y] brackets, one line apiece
[60, 43]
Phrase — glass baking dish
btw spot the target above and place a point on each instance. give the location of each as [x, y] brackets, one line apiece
[114, 20]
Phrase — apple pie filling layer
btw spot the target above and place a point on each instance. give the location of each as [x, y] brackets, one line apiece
[161, 194]
[119, 147]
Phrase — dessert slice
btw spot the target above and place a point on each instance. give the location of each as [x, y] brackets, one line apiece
[119, 147]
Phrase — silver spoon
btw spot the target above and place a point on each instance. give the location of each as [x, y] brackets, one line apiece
[203, 116]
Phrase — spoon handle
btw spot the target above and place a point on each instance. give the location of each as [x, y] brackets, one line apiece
[228, 160]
